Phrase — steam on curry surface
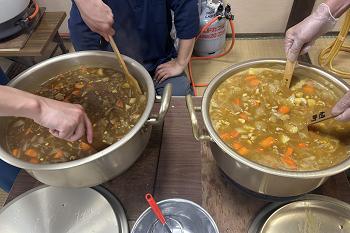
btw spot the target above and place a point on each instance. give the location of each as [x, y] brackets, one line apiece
[250, 115]
[111, 103]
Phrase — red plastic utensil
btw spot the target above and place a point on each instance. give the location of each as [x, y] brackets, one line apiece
[157, 211]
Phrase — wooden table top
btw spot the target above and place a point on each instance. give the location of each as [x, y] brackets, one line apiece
[182, 173]
[41, 36]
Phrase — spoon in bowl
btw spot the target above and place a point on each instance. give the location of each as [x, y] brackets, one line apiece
[157, 211]
[128, 76]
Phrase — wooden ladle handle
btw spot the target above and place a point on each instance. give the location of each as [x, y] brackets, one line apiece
[288, 73]
[119, 57]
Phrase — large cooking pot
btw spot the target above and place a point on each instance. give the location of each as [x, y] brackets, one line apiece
[113, 160]
[253, 176]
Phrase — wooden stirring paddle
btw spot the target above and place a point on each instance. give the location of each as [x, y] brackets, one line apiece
[128, 76]
[288, 73]
[321, 116]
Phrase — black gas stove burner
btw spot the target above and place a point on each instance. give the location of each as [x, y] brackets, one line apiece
[256, 195]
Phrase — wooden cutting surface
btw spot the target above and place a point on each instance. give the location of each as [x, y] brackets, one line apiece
[41, 36]
[186, 169]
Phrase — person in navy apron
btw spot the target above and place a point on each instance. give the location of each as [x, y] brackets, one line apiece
[141, 30]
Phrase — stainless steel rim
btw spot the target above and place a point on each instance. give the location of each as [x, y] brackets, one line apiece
[218, 79]
[129, 61]
[177, 200]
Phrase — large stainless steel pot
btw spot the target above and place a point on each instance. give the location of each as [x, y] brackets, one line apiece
[251, 175]
[113, 160]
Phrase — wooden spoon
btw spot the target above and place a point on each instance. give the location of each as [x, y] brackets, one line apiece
[288, 73]
[321, 116]
[128, 76]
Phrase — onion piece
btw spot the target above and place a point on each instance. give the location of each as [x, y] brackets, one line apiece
[18, 123]
[260, 125]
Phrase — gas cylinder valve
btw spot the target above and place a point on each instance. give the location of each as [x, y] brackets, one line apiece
[228, 14]
[220, 11]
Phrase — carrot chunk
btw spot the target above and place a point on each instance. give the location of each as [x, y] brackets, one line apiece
[290, 162]
[79, 85]
[59, 154]
[243, 116]
[57, 87]
[243, 151]
[66, 99]
[225, 136]
[76, 92]
[254, 82]
[82, 70]
[85, 146]
[302, 145]
[251, 77]
[234, 134]
[31, 153]
[289, 151]
[308, 88]
[268, 142]
[260, 149]
[34, 160]
[15, 152]
[120, 104]
[238, 102]
[284, 109]
[28, 131]
[237, 145]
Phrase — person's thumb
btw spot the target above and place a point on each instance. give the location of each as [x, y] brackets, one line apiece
[342, 108]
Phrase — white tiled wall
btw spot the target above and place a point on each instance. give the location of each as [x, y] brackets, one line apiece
[57, 5]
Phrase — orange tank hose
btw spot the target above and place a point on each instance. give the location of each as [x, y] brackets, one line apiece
[34, 4]
[200, 58]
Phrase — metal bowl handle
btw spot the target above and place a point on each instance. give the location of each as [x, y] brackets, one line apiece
[192, 111]
[164, 105]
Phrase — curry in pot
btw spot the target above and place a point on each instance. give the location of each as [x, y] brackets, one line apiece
[111, 103]
[250, 115]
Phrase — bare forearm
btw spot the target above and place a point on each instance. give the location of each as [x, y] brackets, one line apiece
[338, 7]
[185, 51]
[14, 102]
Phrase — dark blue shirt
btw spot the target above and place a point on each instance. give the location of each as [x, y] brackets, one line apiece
[143, 28]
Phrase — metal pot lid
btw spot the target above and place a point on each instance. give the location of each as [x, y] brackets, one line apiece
[51, 209]
[310, 213]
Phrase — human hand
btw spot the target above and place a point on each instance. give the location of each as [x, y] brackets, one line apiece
[97, 16]
[302, 36]
[167, 70]
[342, 108]
[66, 121]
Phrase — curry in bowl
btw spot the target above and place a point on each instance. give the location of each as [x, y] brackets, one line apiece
[111, 103]
[250, 115]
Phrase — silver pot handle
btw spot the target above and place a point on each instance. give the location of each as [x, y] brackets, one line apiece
[164, 106]
[192, 111]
